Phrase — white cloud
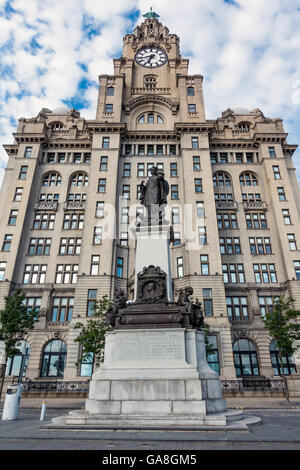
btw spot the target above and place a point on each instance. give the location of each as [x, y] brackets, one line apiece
[249, 55]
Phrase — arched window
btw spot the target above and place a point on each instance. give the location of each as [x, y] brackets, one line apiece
[53, 178]
[221, 179]
[289, 366]
[54, 359]
[79, 179]
[244, 126]
[110, 91]
[150, 118]
[57, 126]
[19, 361]
[191, 91]
[245, 358]
[248, 179]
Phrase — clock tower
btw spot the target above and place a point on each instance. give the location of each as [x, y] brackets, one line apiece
[151, 72]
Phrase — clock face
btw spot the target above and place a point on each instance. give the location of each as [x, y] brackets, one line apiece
[151, 57]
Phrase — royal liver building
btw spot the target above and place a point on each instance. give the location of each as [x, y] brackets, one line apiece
[71, 196]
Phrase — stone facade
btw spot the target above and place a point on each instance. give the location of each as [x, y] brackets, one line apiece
[230, 181]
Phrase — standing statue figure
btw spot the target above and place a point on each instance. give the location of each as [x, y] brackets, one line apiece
[154, 196]
[193, 309]
[119, 302]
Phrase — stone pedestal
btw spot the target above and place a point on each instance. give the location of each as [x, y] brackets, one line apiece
[152, 248]
[156, 377]
[293, 383]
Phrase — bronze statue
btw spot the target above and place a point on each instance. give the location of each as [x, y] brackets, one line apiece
[154, 196]
[119, 303]
[193, 309]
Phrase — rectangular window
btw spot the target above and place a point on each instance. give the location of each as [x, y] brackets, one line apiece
[207, 302]
[7, 242]
[150, 150]
[28, 152]
[180, 270]
[120, 267]
[213, 158]
[125, 215]
[159, 150]
[196, 164]
[281, 194]
[192, 108]
[213, 358]
[260, 246]
[12, 220]
[276, 172]
[62, 309]
[200, 209]
[204, 265]
[2, 270]
[249, 158]
[66, 273]
[77, 157]
[105, 142]
[70, 246]
[141, 149]
[195, 142]
[33, 303]
[39, 246]
[50, 157]
[97, 238]
[292, 241]
[109, 108]
[272, 152]
[149, 166]
[87, 157]
[239, 157]
[202, 236]
[91, 302]
[140, 170]
[103, 163]
[95, 264]
[266, 304]
[101, 185]
[23, 172]
[173, 170]
[223, 157]
[264, 273]
[172, 149]
[230, 246]
[34, 274]
[256, 220]
[61, 158]
[177, 238]
[237, 308]
[233, 273]
[73, 221]
[198, 185]
[286, 216]
[127, 170]
[124, 239]
[18, 195]
[175, 215]
[126, 191]
[227, 220]
[128, 149]
[43, 221]
[174, 191]
[297, 269]
[99, 209]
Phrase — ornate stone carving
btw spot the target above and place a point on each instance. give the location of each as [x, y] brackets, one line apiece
[151, 286]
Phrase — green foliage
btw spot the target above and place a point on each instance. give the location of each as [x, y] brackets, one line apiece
[207, 332]
[282, 324]
[92, 334]
[15, 321]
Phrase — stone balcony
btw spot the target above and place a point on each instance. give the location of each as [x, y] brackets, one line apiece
[250, 205]
[46, 205]
[232, 205]
[151, 91]
[74, 205]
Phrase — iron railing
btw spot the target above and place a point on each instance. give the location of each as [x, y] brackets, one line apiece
[256, 385]
[57, 386]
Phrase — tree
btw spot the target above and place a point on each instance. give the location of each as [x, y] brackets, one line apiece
[92, 334]
[15, 322]
[283, 327]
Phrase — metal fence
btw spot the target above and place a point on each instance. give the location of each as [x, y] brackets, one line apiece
[258, 385]
[57, 386]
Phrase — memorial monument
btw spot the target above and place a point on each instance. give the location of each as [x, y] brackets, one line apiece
[155, 373]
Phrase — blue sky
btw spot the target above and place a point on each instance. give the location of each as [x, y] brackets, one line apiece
[51, 54]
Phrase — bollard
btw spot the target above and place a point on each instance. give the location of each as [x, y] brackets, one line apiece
[43, 412]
